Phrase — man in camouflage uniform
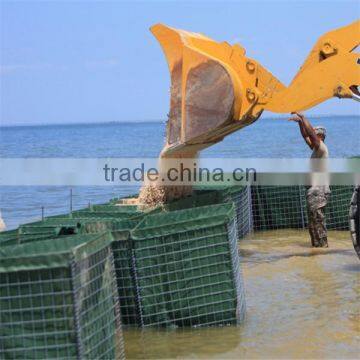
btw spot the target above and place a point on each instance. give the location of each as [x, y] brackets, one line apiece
[318, 194]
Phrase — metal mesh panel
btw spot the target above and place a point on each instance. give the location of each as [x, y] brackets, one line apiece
[277, 207]
[97, 311]
[125, 281]
[337, 210]
[237, 272]
[190, 277]
[243, 207]
[37, 315]
[64, 305]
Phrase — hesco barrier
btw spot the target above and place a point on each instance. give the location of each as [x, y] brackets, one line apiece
[58, 299]
[185, 268]
[279, 207]
[55, 227]
[174, 266]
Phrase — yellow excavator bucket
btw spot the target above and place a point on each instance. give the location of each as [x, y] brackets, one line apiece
[216, 89]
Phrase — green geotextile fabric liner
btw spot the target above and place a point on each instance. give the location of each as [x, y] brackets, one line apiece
[54, 227]
[130, 209]
[100, 214]
[183, 220]
[183, 268]
[108, 210]
[55, 252]
[57, 299]
[19, 239]
[197, 199]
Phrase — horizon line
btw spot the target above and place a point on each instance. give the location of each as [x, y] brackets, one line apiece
[149, 121]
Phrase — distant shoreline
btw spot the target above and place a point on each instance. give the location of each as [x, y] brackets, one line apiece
[107, 123]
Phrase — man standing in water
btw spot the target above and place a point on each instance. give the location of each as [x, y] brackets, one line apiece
[318, 194]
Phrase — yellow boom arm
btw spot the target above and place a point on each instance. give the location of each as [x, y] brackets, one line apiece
[216, 89]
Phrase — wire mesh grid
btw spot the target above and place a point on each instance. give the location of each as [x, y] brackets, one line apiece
[97, 311]
[337, 210]
[243, 208]
[188, 278]
[278, 207]
[37, 315]
[124, 270]
[232, 229]
[62, 312]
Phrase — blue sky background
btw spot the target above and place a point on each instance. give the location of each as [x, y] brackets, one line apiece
[74, 62]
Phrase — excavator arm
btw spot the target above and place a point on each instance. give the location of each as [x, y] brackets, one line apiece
[216, 89]
[331, 69]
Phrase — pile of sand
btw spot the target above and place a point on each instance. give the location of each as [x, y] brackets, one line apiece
[151, 196]
[157, 193]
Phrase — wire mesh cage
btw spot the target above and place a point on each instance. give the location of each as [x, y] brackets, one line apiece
[58, 299]
[278, 207]
[62, 296]
[186, 268]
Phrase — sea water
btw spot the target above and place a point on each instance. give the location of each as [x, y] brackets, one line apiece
[302, 303]
[271, 138]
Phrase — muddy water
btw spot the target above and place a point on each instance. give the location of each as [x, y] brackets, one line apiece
[301, 303]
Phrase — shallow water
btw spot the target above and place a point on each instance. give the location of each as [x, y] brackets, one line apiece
[301, 303]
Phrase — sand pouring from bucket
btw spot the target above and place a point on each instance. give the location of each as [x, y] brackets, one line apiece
[216, 89]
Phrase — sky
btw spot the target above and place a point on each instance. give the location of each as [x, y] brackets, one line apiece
[85, 61]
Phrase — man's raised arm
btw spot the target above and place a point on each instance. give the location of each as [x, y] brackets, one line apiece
[307, 131]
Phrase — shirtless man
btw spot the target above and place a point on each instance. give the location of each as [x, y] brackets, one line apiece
[318, 194]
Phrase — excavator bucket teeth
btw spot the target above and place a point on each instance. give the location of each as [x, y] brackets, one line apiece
[216, 89]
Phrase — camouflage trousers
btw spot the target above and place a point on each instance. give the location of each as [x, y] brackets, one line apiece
[317, 199]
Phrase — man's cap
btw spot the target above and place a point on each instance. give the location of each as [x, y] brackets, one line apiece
[320, 130]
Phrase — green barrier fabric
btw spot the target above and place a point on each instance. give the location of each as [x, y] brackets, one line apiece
[54, 227]
[131, 209]
[199, 198]
[58, 299]
[183, 267]
[176, 221]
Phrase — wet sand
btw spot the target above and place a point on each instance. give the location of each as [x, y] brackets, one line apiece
[301, 303]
